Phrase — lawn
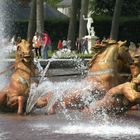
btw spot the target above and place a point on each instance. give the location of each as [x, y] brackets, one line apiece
[50, 53]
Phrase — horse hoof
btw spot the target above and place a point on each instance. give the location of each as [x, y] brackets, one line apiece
[20, 113]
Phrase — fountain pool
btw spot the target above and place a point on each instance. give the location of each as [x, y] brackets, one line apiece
[68, 125]
[56, 127]
[64, 125]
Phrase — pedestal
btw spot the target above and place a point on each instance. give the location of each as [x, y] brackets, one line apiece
[91, 42]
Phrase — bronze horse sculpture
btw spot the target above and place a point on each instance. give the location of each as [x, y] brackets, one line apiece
[14, 96]
[104, 69]
[135, 66]
[118, 99]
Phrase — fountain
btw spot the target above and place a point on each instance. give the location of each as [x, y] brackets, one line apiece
[5, 18]
[65, 124]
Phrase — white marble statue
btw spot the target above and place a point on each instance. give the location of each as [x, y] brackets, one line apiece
[92, 32]
[89, 22]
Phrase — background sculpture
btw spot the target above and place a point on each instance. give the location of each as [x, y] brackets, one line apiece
[89, 23]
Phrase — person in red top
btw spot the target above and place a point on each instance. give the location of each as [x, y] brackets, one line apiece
[46, 43]
[98, 41]
[59, 46]
[45, 46]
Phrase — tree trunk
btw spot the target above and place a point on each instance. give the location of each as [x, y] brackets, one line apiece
[115, 20]
[73, 21]
[82, 25]
[32, 22]
[40, 16]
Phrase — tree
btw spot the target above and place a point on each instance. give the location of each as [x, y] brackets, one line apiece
[82, 24]
[32, 21]
[106, 7]
[73, 21]
[40, 16]
[24, 1]
[115, 20]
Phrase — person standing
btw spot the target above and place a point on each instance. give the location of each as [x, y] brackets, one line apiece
[37, 44]
[85, 46]
[78, 45]
[69, 44]
[59, 46]
[64, 43]
[45, 46]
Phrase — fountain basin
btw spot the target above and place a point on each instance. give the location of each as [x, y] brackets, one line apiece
[58, 67]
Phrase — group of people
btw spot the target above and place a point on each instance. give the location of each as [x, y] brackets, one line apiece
[64, 44]
[41, 43]
[82, 45]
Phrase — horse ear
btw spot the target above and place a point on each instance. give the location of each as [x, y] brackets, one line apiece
[18, 47]
[122, 43]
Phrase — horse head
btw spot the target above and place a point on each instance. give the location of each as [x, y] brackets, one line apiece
[104, 66]
[24, 51]
[104, 52]
[124, 58]
[123, 52]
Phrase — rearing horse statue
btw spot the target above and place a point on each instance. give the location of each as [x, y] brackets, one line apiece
[14, 96]
[104, 67]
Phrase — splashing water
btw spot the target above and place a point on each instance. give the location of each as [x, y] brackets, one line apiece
[86, 129]
[104, 131]
[64, 53]
[38, 65]
[68, 54]
[35, 94]
[2, 135]
[59, 90]
[6, 21]
[45, 70]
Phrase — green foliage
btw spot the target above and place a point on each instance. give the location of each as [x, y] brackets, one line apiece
[12, 55]
[53, 3]
[102, 26]
[81, 55]
[129, 29]
[57, 29]
[106, 7]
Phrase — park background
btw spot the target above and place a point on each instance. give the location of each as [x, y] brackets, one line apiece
[57, 24]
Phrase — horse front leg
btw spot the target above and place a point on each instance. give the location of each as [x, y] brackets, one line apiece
[21, 101]
[17, 102]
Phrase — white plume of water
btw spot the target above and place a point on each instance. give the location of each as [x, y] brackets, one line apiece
[5, 22]
[58, 88]
[66, 53]
[34, 91]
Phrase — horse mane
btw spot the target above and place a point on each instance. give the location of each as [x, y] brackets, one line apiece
[100, 48]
